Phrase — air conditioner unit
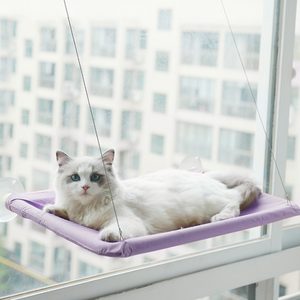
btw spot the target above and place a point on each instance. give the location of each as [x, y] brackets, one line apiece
[136, 96]
[133, 137]
[139, 57]
[69, 89]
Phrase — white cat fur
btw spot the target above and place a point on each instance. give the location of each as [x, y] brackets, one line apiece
[161, 201]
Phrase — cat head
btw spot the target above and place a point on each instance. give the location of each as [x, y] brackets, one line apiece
[84, 179]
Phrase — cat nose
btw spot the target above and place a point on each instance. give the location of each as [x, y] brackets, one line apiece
[85, 187]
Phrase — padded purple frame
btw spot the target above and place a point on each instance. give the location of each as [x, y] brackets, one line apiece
[265, 210]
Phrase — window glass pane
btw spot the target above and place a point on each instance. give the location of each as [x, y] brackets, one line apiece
[164, 82]
[292, 158]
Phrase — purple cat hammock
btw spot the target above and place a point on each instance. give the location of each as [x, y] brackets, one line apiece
[266, 209]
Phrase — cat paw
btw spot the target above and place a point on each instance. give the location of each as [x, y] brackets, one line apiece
[222, 216]
[109, 235]
[60, 212]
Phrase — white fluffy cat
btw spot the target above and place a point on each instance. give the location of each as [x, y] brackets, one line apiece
[157, 202]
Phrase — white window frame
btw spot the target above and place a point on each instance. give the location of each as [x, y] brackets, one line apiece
[259, 261]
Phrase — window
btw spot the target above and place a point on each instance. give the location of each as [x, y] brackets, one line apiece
[87, 269]
[200, 48]
[27, 83]
[23, 150]
[92, 151]
[129, 162]
[37, 256]
[47, 75]
[197, 94]
[69, 146]
[4, 68]
[136, 43]
[164, 19]
[102, 82]
[162, 61]
[157, 144]
[194, 139]
[248, 45]
[8, 33]
[236, 147]
[41, 180]
[79, 38]
[159, 103]
[131, 125]
[45, 111]
[133, 85]
[291, 147]
[17, 252]
[6, 100]
[72, 83]
[25, 117]
[104, 42]
[238, 101]
[28, 48]
[70, 114]
[43, 147]
[62, 264]
[48, 40]
[102, 118]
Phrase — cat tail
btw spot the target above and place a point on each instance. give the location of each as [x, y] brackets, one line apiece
[239, 181]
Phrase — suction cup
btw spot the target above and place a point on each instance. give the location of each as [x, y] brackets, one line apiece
[8, 186]
[190, 162]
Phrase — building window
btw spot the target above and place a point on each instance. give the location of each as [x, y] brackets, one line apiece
[197, 94]
[136, 42]
[92, 151]
[131, 126]
[37, 256]
[70, 114]
[237, 100]
[164, 19]
[27, 83]
[23, 182]
[9, 163]
[23, 150]
[48, 40]
[61, 264]
[200, 48]
[159, 103]
[4, 68]
[129, 164]
[25, 117]
[69, 146]
[45, 111]
[291, 147]
[79, 38]
[7, 98]
[157, 144]
[72, 82]
[102, 82]
[102, 118]
[194, 139]
[41, 180]
[43, 147]
[47, 74]
[133, 85]
[104, 42]
[248, 45]
[162, 61]
[236, 148]
[8, 32]
[28, 48]
[88, 270]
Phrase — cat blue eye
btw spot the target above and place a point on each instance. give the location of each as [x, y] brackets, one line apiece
[95, 177]
[75, 177]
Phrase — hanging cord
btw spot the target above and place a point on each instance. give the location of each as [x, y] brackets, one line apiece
[92, 116]
[254, 101]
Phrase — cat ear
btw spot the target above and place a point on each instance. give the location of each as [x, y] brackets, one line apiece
[62, 158]
[108, 156]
